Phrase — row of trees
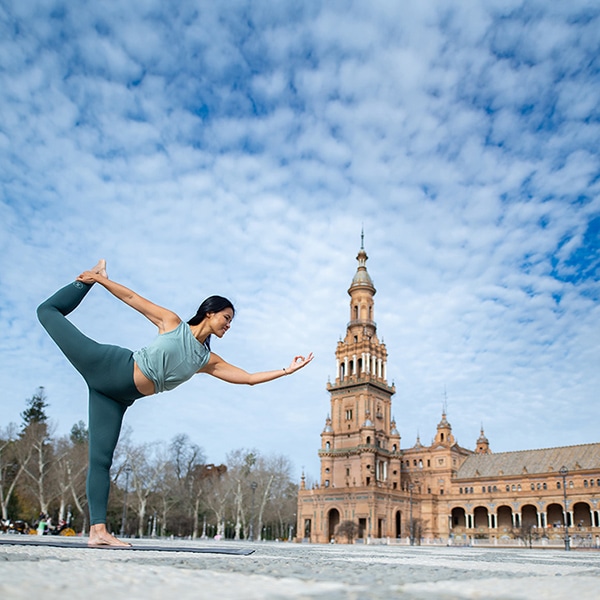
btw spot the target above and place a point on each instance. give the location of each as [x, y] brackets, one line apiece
[157, 488]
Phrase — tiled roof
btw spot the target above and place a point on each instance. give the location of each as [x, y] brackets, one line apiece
[522, 462]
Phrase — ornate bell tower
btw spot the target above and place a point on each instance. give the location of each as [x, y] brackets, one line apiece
[360, 435]
[361, 466]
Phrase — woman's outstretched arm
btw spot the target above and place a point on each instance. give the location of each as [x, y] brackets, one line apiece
[163, 318]
[217, 367]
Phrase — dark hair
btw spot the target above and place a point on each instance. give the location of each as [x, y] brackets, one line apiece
[212, 304]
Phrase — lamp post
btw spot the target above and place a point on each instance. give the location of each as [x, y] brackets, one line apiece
[253, 485]
[124, 517]
[564, 472]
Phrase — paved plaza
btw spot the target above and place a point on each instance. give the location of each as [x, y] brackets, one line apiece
[281, 571]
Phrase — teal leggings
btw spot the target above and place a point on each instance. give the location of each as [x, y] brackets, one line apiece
[108, 372]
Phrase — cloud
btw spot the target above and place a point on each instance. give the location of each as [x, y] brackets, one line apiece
[241, 150]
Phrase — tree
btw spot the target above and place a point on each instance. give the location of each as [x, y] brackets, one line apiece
[528, 533]
[167, 494]
[348, 529]
[188, 461]
[11, 467]
[272, 475]
[79, 433]
[217, 492]
[35, 451]
[69, 470]
[239, 467]
[416, 529]
[36, 410]
[282, 506]
[146, 463]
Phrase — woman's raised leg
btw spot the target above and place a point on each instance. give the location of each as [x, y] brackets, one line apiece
[79, 349]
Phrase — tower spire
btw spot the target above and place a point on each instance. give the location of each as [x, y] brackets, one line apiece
[483, 444]
[360, 355]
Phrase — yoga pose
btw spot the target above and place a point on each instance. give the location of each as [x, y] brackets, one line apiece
[116, 377]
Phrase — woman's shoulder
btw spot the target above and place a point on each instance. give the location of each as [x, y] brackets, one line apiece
[174, 327]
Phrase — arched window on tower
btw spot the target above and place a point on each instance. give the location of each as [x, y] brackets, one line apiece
[356, 313]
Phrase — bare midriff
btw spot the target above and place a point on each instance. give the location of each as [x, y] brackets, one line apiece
[142, 383]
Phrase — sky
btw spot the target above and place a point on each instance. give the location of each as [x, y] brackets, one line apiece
[240, 148]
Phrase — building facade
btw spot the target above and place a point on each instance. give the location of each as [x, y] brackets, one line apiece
[439, 493]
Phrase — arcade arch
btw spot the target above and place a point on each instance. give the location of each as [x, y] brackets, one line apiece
[480, 517]
[582, 516]
[333, 520]
[505, 517]
[459, 518]
[398, 524]
[555, 515]
[529, 516]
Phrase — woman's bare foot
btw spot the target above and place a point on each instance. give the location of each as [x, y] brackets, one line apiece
[99, 536]
[100, 268]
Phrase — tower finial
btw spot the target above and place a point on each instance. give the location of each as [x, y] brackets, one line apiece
[362, 237]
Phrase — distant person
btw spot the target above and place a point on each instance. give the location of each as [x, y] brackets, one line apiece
[42, 524]
[116, 377]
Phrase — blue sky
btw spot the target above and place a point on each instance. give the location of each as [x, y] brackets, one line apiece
[238, 148]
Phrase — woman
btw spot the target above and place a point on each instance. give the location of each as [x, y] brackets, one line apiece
[116, 377]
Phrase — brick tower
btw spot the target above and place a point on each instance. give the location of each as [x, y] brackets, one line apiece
[360, 478]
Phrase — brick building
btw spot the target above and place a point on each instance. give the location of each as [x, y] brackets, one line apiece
[442, 492]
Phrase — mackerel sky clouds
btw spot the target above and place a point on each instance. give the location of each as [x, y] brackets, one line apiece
[239, 148]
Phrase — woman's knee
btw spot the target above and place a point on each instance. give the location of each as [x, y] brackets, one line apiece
[44, 310]
[100, 460]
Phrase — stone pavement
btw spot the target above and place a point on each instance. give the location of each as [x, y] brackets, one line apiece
[282, 571]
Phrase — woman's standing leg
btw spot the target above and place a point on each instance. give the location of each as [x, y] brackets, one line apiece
[105, 420]
[112, 379]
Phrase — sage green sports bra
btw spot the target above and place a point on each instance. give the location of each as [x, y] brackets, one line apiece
[172, 358]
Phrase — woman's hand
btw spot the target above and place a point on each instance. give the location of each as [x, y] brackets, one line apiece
[298, 363]
[88, 277]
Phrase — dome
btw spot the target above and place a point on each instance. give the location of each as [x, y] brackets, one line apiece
[362, 277]
[482, 439]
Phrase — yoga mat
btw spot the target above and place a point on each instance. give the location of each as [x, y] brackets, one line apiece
[58, 543]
